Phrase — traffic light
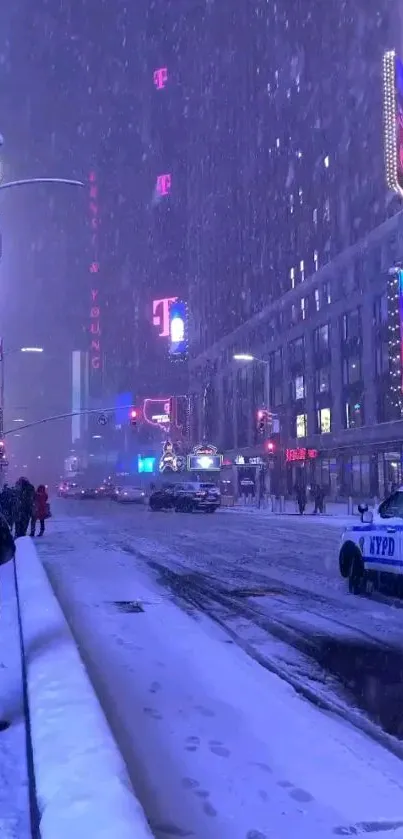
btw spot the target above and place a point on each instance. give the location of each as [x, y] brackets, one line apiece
[133, 416]
[261, 423]
[2, 450]
[271, 447]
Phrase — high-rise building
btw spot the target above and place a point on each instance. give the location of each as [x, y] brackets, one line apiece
[295, 243]
[285, 132]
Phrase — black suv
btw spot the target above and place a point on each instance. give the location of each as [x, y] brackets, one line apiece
[186, 497]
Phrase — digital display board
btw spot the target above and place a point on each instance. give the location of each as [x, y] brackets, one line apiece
[178, 329]
[204, 462]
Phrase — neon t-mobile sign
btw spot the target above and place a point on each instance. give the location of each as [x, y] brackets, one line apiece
[160, 77]
[164, 183]
[161, 314]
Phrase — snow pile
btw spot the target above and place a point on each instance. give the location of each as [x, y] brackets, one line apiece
[82, 784]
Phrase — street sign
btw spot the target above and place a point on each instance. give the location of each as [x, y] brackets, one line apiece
[102, 419]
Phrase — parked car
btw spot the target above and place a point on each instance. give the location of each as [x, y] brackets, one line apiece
[186, 497]
[129, 493]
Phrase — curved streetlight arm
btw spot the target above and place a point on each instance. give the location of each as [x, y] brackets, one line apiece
[65, 416]
[26, 181]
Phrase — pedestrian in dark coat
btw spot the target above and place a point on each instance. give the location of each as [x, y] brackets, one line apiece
[301, 498]
[7, 505]
[24, 502]
[319, 498]
[40, 510]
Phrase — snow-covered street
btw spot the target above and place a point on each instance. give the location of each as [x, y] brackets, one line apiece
[216, 744]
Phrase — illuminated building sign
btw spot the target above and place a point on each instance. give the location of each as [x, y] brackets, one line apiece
[393, 120]
[204, 458]
[178, 329]
[395, 327]
[160, 77]
[164, 183]
[170, 461]
[161, 315]
[292, 455]
[145, 464]
[157, 412]
[95, 352]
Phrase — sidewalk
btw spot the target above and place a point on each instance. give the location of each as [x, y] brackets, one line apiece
[14, 796]
[336, 514]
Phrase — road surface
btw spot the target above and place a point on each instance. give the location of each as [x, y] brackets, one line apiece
[267, 587]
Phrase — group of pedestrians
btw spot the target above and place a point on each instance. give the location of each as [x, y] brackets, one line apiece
[23, 505]
[317, 493]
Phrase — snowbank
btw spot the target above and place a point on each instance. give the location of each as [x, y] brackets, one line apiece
[83, 787]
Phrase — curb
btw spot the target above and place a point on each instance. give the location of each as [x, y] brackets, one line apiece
[82, 785]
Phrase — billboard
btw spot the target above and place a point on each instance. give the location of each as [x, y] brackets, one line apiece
[393, 120]
[178, 330]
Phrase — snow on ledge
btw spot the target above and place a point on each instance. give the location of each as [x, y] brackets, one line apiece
[83, 788]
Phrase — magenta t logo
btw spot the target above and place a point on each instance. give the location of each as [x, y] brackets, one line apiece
[164, 184]
[161, 314]
[160, 77]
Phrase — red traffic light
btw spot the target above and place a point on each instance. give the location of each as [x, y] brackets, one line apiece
[133, 416]
[271, 446]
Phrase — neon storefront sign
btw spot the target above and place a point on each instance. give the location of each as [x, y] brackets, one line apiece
[293, 455]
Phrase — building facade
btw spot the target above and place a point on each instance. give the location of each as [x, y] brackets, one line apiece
[326, 366]
[292, 241]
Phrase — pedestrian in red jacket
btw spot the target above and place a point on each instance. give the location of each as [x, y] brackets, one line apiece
[40, 509]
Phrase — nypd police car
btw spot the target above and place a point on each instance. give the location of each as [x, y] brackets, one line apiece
[373, 550]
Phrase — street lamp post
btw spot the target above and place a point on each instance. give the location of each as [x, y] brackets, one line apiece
[247, 358]
[6, 186]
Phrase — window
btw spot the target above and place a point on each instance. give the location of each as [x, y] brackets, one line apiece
[296, 351]
[276, 361]
[324, 420]
[351, 325]
[277, 396]
[301, 425]
[392, 507]
[322, 380]
[351, 370]
[354, 415]
[382, 358]
[381, 310]
[321, 338]
[299, 387]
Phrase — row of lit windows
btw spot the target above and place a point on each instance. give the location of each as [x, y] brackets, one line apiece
[353, 418]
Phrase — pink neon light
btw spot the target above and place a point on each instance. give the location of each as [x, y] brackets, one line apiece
[164, 183]
[160, 77]
[161, 314]
[95, 311]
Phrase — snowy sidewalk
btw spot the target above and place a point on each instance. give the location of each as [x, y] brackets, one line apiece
[336, 514]
[14, 796]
